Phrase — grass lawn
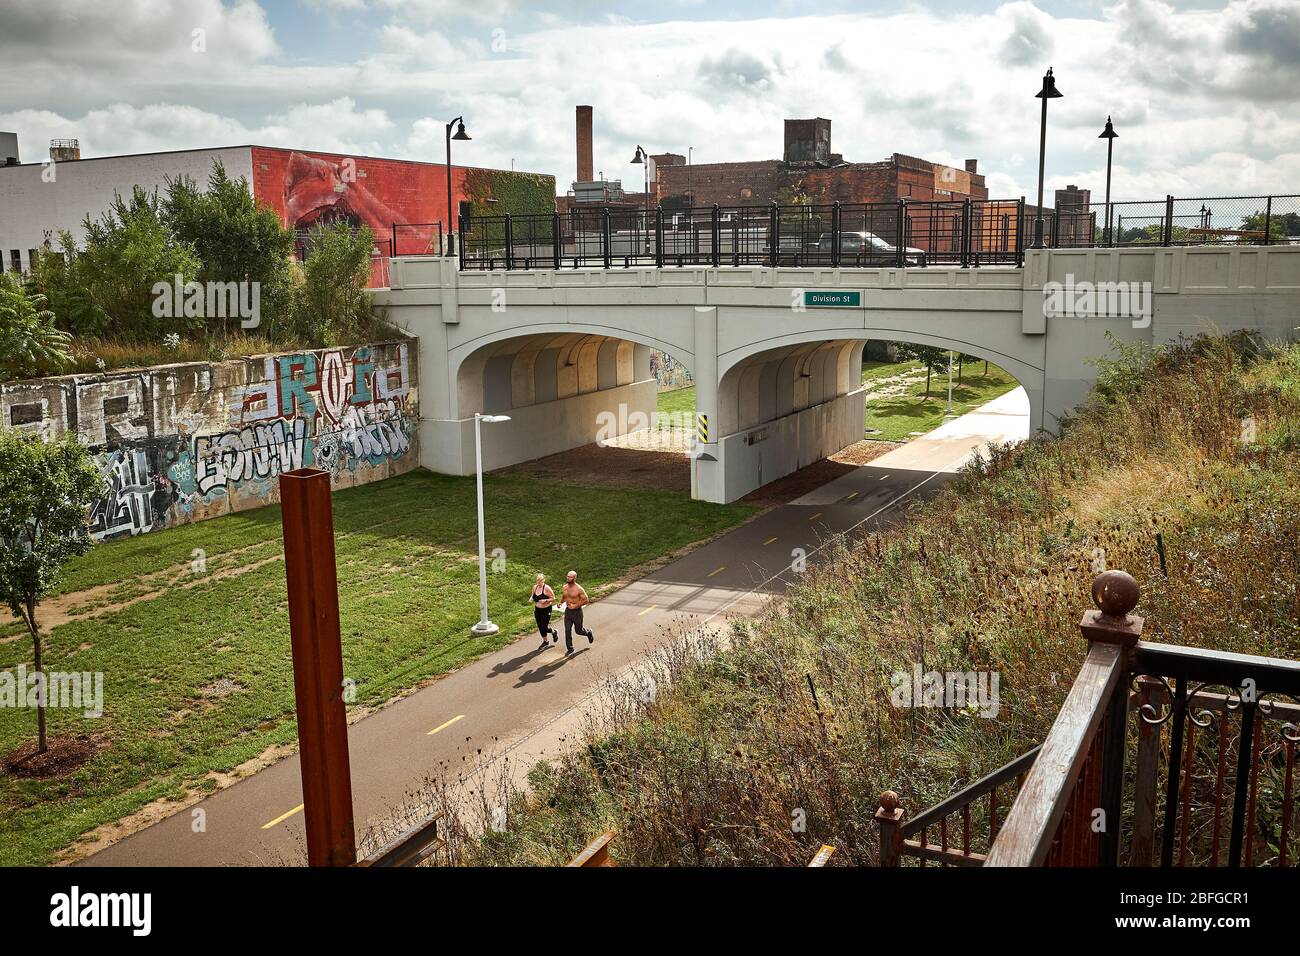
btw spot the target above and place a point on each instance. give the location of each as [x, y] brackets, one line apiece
[896, 418]
[197, 672]
[676, 401]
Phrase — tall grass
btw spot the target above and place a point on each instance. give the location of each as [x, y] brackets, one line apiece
[732, 761]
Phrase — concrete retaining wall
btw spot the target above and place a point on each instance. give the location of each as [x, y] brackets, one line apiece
[181, 443]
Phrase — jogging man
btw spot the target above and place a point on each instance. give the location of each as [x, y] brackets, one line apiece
[575, 598]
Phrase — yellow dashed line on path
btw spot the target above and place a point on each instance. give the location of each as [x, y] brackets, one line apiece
[851, 496]
[770, 540]
[647, 610]
[282, 817]
[816, 516]
[446, 725]
[717, 570]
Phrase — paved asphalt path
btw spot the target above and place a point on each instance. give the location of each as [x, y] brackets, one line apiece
[522, 699]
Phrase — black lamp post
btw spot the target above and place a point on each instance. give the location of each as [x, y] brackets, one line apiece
[459, 123]
[1108, 134]
[643, 159]
[1048, 92]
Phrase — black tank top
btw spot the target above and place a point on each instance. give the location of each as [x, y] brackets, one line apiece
[539, 597]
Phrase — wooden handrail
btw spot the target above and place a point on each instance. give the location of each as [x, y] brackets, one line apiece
[414, 846]
[595, 853]
[971, 793]
[1031, 826]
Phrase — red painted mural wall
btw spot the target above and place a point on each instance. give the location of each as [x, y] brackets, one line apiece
[307, 188]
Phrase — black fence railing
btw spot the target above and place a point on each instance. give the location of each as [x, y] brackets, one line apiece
[1172, 221]
[893, 234]
[907, 233]
[416, 239]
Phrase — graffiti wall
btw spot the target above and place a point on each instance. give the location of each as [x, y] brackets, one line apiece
[180, 443]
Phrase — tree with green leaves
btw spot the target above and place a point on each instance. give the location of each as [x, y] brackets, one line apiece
[105, 287]
[932, 357]
[30, 345]
[236, 238]
[46, 490]
[333, 303]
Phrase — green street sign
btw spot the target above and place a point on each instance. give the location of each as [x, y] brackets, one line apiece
[834, 300]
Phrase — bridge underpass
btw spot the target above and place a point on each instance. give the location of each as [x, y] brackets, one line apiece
[775, 352]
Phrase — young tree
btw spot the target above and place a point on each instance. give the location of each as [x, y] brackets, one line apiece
[46, 490]
[29, 343]
[932, 357]
[333, 303]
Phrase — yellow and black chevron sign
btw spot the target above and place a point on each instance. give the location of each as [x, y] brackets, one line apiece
[702, 429]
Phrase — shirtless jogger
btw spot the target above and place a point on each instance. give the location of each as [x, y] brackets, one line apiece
[575, 598]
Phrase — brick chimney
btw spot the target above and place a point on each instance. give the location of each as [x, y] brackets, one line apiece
[586, 164]
[972, 166]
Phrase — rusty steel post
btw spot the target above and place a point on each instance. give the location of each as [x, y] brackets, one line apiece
[309, 570]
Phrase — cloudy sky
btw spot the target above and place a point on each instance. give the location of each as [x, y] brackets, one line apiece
[1203, 93]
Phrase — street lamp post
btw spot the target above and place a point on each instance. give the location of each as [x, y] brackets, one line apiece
[1108, 134]
[643, 158]
[1048, 92]
[484, 626]
[948, 412]
[461, 135]
[690, 196]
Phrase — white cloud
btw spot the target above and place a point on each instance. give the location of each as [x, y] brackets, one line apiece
[1197, 95]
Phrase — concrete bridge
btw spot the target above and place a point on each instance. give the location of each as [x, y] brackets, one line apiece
[776, 352]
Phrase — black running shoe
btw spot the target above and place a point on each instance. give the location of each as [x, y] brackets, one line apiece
[591, 637]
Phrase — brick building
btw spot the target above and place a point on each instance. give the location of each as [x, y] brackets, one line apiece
[809, 171]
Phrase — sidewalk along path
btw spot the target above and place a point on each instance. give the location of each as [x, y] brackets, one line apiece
[523, 703]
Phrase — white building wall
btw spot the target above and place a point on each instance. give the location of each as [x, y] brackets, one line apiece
[30, 207]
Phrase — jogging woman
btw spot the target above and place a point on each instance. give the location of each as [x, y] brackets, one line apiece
[543, 598]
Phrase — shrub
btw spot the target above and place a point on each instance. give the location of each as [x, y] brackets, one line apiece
[30, 345]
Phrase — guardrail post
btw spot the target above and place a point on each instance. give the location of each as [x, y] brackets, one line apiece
[392, 246]
[510, 242]
[1056, 227]
[1115, 594]
[715, 240]
[773, 234]
[889, 815]
[966, 220]
[311, 578]
[555, 239]
[1168, 238]
[1019, 232]
[459, 247]
[659, 236]
[1268, 218]
[835, 234]
[605, 238]
[900, 234]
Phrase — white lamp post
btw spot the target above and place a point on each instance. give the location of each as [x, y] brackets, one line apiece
[484, 626]
[948, 413]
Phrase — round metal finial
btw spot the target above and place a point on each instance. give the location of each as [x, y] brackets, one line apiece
[1116, 593]
[889, 801]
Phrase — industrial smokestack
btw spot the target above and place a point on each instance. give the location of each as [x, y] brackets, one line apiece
[586, 164]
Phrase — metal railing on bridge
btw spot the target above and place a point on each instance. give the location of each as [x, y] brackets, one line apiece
[906, 233]
[890, 234]
[1202, 220]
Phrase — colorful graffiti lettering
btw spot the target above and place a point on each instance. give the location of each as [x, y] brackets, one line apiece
[254, 453]
[182, 443]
